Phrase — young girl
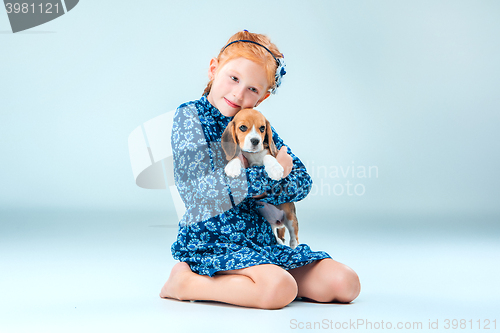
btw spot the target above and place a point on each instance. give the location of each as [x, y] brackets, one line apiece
[227, 251]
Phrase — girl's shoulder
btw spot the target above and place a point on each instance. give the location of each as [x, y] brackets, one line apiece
[191, 105]
[197, 103]
[188, 104]
[188, 109]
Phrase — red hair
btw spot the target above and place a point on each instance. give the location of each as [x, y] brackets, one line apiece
[252, 52]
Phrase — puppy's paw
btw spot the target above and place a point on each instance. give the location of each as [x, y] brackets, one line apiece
[273, 168]
[293, 243]
[275, 171]
[233, 168]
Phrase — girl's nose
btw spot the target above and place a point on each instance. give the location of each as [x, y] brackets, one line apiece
[238, 93]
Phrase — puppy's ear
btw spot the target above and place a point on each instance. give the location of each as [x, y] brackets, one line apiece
[269, 139]
[229, 142]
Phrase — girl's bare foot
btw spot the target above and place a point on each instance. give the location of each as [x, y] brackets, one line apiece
[177, 281]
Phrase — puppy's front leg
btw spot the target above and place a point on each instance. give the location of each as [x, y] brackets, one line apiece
[233, 168]
[273, 168]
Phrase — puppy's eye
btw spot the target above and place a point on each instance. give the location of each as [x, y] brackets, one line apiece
[243, 128]
[262, 129]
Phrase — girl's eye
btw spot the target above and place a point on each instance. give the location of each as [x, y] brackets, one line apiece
[243, 128]
[235, 79]
[254, 90]
[262, 129]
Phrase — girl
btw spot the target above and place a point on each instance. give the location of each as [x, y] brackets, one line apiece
[227, 251]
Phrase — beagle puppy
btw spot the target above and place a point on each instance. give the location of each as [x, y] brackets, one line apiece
[250, 134]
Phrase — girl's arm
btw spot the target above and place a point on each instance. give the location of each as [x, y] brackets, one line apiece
[199, 170]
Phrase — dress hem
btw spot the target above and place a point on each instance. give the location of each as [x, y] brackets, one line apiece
[211, 271]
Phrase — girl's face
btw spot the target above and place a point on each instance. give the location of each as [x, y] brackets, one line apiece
[239, 84]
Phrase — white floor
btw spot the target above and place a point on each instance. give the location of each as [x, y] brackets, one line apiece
[102, 272]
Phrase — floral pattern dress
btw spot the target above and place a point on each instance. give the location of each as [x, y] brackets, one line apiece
[222, 229]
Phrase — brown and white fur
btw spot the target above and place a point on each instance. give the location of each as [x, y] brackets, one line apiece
[250, 134]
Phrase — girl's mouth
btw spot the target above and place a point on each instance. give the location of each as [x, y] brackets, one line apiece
[231, 104]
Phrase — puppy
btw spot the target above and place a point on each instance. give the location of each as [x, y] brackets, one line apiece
[250, 134]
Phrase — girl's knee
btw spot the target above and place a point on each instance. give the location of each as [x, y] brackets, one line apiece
[278, 290]
[344, 285]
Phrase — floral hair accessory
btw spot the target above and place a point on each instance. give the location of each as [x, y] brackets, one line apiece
[280, 72]
[280, 62]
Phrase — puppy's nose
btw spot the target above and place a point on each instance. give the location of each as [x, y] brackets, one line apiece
[255, 141]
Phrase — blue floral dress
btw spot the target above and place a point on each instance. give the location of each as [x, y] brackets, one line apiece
[222, 229]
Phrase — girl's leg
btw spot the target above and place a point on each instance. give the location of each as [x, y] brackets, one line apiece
[327, 280]
[261, 286]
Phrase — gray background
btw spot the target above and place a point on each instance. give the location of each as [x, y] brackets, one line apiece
[410, 87]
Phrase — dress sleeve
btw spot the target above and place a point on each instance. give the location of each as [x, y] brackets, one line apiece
[202, 183]
[292, 188]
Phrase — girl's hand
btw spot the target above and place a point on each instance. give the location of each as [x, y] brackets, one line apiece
[285, 160]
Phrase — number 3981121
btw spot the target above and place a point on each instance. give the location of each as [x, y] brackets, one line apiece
[26, 8]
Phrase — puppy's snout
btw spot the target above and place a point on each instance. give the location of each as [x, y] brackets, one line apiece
[254, 141]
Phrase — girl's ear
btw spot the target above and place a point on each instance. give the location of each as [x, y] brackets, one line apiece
[269, 139]
[212, 69]
[266, 95]
[229, 143]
